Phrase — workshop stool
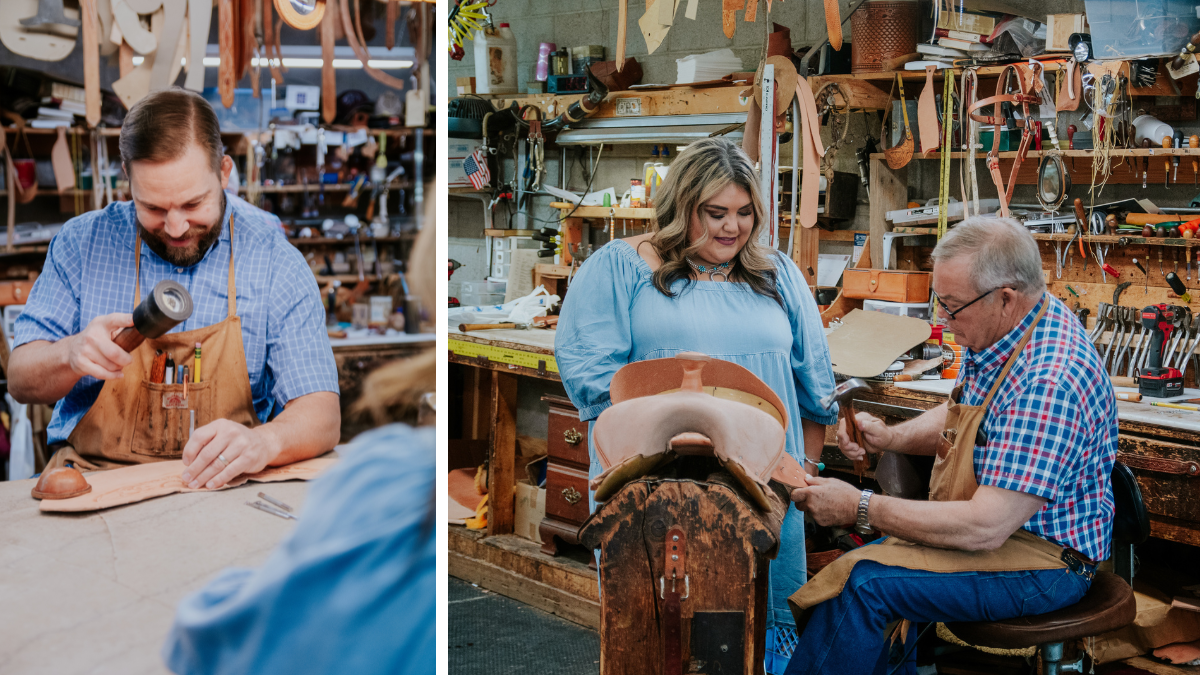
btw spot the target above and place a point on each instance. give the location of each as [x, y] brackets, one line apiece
[1107, 606]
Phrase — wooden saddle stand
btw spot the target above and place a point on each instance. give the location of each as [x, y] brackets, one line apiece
[694, 493]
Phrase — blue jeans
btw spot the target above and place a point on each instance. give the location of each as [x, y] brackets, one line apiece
[844, 635]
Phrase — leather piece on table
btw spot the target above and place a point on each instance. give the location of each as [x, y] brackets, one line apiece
[139, 482]
[618, 77]
[856, 351]
[927, 120]
[833, 24]
[1108, 605]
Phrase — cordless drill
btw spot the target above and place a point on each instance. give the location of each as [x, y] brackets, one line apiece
[1156, 381]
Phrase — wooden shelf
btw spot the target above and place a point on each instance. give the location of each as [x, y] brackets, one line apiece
[603, 212]
[1037, 154]
[344, 278]
[1116, 239]
[317, 241]
[113, 132]
[509, 233]
[266, 189]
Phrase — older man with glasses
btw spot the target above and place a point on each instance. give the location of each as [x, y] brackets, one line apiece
[1020, 506]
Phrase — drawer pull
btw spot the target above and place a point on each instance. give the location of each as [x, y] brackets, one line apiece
[572, 437]
[571, 495]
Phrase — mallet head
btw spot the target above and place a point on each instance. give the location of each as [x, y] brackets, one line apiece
[848, 388]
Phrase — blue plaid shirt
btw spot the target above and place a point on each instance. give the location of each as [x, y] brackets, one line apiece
[89, 273]
[1051, 428]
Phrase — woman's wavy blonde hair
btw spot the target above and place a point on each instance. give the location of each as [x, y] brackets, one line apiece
[397, 389]
[702, 171]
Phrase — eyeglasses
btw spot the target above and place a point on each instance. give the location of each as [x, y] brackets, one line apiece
[952, 315]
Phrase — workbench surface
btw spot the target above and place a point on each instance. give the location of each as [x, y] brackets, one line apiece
[373, 340]
[539, 338]
[1184, 420]
[96, 592]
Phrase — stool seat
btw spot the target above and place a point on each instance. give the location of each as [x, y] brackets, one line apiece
[1108, 605]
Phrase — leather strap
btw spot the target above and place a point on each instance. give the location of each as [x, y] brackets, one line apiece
[833, 24]
[622, 30]
[674, 572]
[729, 10]
[1069, 95]
[1159, 464]
[927, 120]
[1027, 76]
[392, 13]
[328, 78]
[226, 25]
[354, 38]
[810, 131]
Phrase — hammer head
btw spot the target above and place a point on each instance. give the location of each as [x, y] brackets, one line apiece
[840, 392]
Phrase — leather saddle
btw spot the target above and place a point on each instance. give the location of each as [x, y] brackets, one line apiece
[693, 404]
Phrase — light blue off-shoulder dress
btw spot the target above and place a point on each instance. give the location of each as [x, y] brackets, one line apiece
[613, 315]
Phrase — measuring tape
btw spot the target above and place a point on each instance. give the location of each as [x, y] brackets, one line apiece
[514, 357]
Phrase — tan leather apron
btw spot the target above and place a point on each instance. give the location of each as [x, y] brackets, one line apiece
[953, 479]
[134, 420]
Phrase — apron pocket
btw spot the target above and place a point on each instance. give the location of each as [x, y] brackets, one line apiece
[163, 418]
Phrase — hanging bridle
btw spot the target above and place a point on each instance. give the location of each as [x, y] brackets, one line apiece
[1028, 84]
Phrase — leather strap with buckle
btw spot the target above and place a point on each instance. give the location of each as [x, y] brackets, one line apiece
[675, 558]
[1028, 80]
[1079, 563]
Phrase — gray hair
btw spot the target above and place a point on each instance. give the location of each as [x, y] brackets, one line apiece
[1002, 251]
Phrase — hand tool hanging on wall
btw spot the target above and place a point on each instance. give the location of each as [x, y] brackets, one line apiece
[1177, 143]
[1166, 144]
[1189, 48]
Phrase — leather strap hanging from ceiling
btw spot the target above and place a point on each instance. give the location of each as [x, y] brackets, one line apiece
[1028, 81]
[729, 10]
[968, 89]
[810, 188]
[226, 38]
[1069, 94]
[833, 24]
[355, 39]
[91, 61]
[622, 30]
[328, 79]
[927, 117]
[392, 13]
[271, 43]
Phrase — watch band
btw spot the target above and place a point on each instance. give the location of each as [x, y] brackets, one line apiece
[861, 525]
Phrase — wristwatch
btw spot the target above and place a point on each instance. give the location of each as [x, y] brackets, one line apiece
[861, 525]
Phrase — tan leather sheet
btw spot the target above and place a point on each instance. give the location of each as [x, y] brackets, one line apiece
[139, 482]
[856, 350]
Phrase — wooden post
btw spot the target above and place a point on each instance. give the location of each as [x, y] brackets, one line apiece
[807, 245]
[503, 451]
[888, 192]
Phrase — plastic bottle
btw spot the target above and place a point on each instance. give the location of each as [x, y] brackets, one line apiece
[496, 61]
[648, 177]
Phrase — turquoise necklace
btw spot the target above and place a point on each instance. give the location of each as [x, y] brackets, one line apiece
[713, 271]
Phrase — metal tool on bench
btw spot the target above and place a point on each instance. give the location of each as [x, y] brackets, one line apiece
[843, 395]
[1156, 380]
[167, 306]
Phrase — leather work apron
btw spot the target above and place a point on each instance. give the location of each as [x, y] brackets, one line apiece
[953, 480]
[135, 421]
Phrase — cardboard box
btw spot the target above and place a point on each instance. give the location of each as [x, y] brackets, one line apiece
[1059, 28]
[466, 85]
[889, 285]
[530, 508]
[458, 150]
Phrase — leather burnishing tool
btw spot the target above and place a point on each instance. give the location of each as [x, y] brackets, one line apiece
[843, 395]
[166, 307]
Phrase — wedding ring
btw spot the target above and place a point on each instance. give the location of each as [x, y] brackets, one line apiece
[224, 461]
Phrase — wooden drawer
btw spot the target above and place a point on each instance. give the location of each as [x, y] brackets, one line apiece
[888, 285]
[1168, 475]
[567, 438]
[14, 292]
[566, 493]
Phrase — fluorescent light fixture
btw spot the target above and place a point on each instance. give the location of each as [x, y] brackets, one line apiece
[380, 64]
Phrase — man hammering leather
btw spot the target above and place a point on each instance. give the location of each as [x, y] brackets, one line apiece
[1021, 503]
[253, 382]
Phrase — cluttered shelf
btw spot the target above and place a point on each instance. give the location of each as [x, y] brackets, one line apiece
[1037, 154]
[116, 131]
[319, 241]
[265, 189]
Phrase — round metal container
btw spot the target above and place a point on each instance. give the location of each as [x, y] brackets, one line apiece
[880, 31]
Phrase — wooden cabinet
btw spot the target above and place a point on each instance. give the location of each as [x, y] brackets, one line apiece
[566, 475]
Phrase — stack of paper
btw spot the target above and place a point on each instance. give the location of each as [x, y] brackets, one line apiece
[710, 66]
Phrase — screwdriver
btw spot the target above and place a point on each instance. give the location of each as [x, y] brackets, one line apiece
[1193, 143]
[1145, 162]
[1178, 287]
[1143, 269]
[1166, 143]
[1178, 141]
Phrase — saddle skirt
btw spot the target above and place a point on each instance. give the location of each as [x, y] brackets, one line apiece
[693, 404]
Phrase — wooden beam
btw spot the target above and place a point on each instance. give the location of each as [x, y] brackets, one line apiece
[888, 192]
[807, 246]
[503, 453]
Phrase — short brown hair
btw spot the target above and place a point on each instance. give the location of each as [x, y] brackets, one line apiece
[162, 125]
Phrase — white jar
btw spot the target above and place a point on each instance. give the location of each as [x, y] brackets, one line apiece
[496, 61]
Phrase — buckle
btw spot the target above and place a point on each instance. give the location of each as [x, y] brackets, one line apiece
[1078, 566]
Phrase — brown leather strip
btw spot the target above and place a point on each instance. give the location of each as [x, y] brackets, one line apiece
[328, 79]
[927, 121]
[751, 11]
[813, 151]
[676, 554]
[226, 76]
[672, 632]
[622, 30]
[833, 24]
[393, 13]
[354, 38]
[729, 10]
[1159, 464]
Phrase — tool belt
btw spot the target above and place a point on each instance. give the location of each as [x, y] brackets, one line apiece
[693, 404]
[1028, 76]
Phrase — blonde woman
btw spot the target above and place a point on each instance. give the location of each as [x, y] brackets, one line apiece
[351, 590]
[701, 282]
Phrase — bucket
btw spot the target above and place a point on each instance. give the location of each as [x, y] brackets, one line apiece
[881, 31]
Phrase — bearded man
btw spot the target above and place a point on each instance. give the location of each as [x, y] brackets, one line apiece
[262, 386]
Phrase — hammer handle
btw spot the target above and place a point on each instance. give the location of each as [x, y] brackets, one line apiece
[464, 327]
[129, 339]
[855, 434]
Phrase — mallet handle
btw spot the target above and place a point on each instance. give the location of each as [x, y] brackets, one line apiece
[129, 339]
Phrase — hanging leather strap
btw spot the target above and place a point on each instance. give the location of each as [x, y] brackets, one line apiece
[833, 24]
[674, 574]
[927, 118]
[810, 132]
[1026, 94]
[1069, 95]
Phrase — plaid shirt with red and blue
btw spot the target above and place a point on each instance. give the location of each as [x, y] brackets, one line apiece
[1051, 427]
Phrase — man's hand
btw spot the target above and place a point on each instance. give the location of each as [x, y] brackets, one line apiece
[93, 351]
[828, 500]
[877, 435]
[222, 450]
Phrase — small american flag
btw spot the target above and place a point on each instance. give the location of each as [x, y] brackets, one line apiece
[476, 169]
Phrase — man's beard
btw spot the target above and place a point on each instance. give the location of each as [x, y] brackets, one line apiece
[183, 256]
